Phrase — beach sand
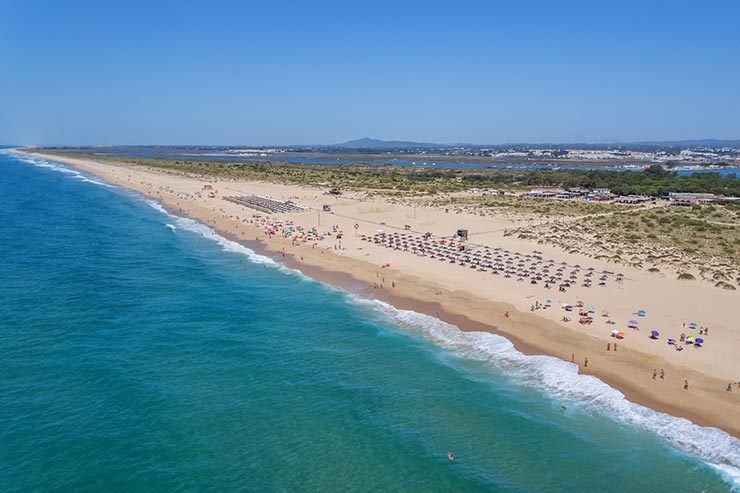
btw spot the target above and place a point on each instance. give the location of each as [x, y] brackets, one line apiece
[479, 301]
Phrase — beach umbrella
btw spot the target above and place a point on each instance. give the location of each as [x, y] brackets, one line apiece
[620, 335]
[641, 313]
[699, 340]
[692, 325]
[591, 309]
[654, 334]
[690, 339]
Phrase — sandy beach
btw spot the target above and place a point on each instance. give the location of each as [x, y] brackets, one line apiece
[379, 250]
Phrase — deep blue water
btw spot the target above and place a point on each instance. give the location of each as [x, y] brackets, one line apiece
[142, 352]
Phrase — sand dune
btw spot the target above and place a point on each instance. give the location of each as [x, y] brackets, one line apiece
[475, 298]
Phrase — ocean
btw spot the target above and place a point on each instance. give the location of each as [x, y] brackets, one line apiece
[144, 352]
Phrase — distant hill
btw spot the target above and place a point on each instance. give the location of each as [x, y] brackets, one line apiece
[368, 143]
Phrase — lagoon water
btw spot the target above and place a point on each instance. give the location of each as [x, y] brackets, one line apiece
[143, 352]
[219, 154]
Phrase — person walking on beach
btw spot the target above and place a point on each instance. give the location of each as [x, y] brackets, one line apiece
[729, 387]
[686, 385]
[573, 359]
[662, 374]
[585, 362]
[655, 374]
[615, 346]
[608, 346]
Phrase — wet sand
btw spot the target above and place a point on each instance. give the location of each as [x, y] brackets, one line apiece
[475, 307]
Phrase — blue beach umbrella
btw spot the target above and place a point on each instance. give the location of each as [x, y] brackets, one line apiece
[641, 313]
[699, 340]
[654, 334]
[692, 325]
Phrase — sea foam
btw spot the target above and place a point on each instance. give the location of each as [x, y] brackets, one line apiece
[561, 380]
[558, 379]
[228, 245]
[55, 166]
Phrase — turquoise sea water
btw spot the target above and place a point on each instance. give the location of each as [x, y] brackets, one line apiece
[143, 352]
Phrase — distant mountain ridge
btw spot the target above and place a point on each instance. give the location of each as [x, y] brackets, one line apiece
[370, 143]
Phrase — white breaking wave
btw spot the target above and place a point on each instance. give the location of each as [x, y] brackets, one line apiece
[561, 379]
[558, 378]
[157, 206]
[228, 245]
[58, 167]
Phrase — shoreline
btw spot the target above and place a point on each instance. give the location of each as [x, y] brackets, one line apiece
[529, 333]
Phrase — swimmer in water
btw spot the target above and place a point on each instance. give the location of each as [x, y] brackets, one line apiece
[450, 456]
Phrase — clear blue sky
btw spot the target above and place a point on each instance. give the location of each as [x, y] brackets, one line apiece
[271, 72]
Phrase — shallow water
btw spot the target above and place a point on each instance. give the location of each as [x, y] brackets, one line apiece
[143, 352]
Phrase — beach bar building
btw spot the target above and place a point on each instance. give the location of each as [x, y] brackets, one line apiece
[689, 199]
[542, 193]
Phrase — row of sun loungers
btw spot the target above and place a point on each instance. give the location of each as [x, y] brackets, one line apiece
[263, 204]
[497, 261]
